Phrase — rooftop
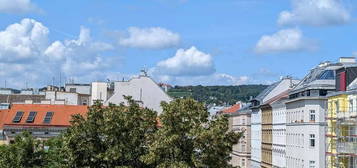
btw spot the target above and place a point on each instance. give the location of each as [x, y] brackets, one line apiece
[40, 115]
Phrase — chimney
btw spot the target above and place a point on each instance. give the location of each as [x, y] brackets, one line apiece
[347, 60]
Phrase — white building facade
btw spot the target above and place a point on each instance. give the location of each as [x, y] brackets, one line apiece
[279, 134]
[256, 118]
[306, 110]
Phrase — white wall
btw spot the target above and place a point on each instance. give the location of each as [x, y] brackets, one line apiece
[68, 98]
[298, 151]
[99, 91]
[142, 89]
[81, 89]
[279, 135]
[256, 138]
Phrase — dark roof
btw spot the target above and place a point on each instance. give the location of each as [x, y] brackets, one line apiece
[266, 91]
[16, 98]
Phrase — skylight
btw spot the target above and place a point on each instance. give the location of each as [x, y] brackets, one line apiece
[31, 117]
[48, 117]
[18, 117]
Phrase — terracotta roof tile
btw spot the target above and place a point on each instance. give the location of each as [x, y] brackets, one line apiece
[62, 114]
[232, 109]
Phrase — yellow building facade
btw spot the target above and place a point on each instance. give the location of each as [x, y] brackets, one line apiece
[341, 139]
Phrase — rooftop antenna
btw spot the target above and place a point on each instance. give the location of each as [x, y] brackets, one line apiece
[60, 79]
[5, 83]
[53, 81]
[143, 72]
[26, 85]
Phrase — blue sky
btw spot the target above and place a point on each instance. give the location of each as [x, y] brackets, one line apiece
[184, 42]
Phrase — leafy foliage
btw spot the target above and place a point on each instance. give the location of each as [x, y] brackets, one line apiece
[25, 152]
[218, 95]
[128, 136]
[188, 139]
[113, 136]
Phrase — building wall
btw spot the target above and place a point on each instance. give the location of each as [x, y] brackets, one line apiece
[266, 137]
[142, 89]
[68, 98]
[241, 150]
[342, 131]
[79, 88]
[279, 135]
[300, 129]
[99, 91]
[256, 138]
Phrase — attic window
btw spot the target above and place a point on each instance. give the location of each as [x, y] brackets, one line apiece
[18, 117]
[31, 117]
[328, 74]
[48, 117]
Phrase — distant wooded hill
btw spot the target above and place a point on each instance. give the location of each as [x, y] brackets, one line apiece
[217, 94]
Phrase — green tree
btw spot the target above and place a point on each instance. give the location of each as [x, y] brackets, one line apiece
[25, 152]
[187, 138]
[113, 136]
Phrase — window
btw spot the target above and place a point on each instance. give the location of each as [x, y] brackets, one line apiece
[312, 164]
[312, 140]
[243, 121]
[328, 74]
[351, 106]
[312, 115]
[31, 117]
[72, 90]
[323, 92]
[337, 107]
[18, 117]
[243, 162]
[48, 117]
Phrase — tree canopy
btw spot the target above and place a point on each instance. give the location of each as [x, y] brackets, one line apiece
[129, 136]
[219, 95]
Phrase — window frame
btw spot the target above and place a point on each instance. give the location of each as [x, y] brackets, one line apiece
[49, 117]
[312, 140]
[32, 119]
[18, 117]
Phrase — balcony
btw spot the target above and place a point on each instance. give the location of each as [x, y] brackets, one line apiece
[347, 147]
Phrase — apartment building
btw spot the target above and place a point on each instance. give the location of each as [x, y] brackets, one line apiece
[256, 121]
[240, 122]
[142, 89]
[42, 121]
[305, 113]
[279, 132]
[341, 133]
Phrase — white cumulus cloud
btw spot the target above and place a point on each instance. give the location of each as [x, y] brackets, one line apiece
[26, 55]
[149, 38]
[17, 6]
[315, 13]
[286, 40]
[23, 41]
[190, 62]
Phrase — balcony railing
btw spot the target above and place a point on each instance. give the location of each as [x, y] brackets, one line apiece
[347, 147]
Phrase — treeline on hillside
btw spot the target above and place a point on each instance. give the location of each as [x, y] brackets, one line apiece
[218, 95]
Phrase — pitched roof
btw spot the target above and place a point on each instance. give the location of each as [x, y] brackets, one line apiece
[62, 114]
[231, 109]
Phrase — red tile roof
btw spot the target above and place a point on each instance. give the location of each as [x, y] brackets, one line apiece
[231, 109]
[62, 114]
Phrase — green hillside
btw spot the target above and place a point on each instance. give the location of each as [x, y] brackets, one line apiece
[217, 94]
